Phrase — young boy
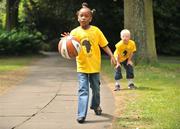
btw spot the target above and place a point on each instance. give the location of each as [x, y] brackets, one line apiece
[89, 62]
[123, 54]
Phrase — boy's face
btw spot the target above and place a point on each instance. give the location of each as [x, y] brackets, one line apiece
[125, 37]
[84, 17]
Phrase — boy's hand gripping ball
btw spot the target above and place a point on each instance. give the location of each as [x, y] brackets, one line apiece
[69, 47]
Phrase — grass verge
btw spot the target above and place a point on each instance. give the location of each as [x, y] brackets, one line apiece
[155, 104]
[13, 70]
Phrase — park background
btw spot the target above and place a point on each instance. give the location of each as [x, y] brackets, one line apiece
[31, 26]
[39, 23]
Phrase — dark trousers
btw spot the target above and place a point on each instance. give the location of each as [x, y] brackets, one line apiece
[129, 71]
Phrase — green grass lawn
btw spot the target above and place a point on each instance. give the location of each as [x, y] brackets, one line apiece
[10, 64]
[13, 63]
[156, 102]
[13, 70]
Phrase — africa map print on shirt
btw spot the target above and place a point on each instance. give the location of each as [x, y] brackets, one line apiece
[124, 53]
[86, 47]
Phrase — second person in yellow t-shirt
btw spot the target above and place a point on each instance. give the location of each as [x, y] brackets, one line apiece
[125, 49]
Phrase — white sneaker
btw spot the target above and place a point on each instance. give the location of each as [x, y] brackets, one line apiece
[117, 88]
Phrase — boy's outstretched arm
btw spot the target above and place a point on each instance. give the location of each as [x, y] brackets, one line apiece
[109, 52]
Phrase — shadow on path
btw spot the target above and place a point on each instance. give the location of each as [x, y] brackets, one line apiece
[105, 115]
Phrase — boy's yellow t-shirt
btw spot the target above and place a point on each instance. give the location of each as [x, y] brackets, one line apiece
[89, 58]
[124, 50]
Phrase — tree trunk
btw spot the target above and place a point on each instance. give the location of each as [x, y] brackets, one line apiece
[138, 18]
[150, 38]
[11, 14]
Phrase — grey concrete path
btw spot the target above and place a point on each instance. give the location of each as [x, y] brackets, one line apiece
[47, 99]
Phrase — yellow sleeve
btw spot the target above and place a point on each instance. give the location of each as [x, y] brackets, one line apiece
[102, 39]
[116, 52]
[73, 32]
[134, 47]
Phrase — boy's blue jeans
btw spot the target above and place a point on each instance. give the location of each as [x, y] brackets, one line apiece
[129, 71]
[83, 93]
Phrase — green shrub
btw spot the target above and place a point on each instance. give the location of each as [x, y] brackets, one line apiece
[20, 42]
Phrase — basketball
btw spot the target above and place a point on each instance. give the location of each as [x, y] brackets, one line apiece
[69, 47]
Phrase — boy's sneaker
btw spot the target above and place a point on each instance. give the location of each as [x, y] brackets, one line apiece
[98, 110]
[80, 119]
[131, 86]
[117, 88]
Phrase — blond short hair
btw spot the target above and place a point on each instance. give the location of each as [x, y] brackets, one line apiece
[125, 31]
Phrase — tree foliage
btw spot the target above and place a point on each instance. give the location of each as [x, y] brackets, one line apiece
[167, 26]
[20, 42]
[52, 17]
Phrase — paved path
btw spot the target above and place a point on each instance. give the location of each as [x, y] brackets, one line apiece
[47, 99]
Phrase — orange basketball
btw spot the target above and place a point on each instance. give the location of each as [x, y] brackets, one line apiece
[69, 47]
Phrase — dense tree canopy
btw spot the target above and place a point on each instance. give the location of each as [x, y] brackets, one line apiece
[167, 26]
[52, 18]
